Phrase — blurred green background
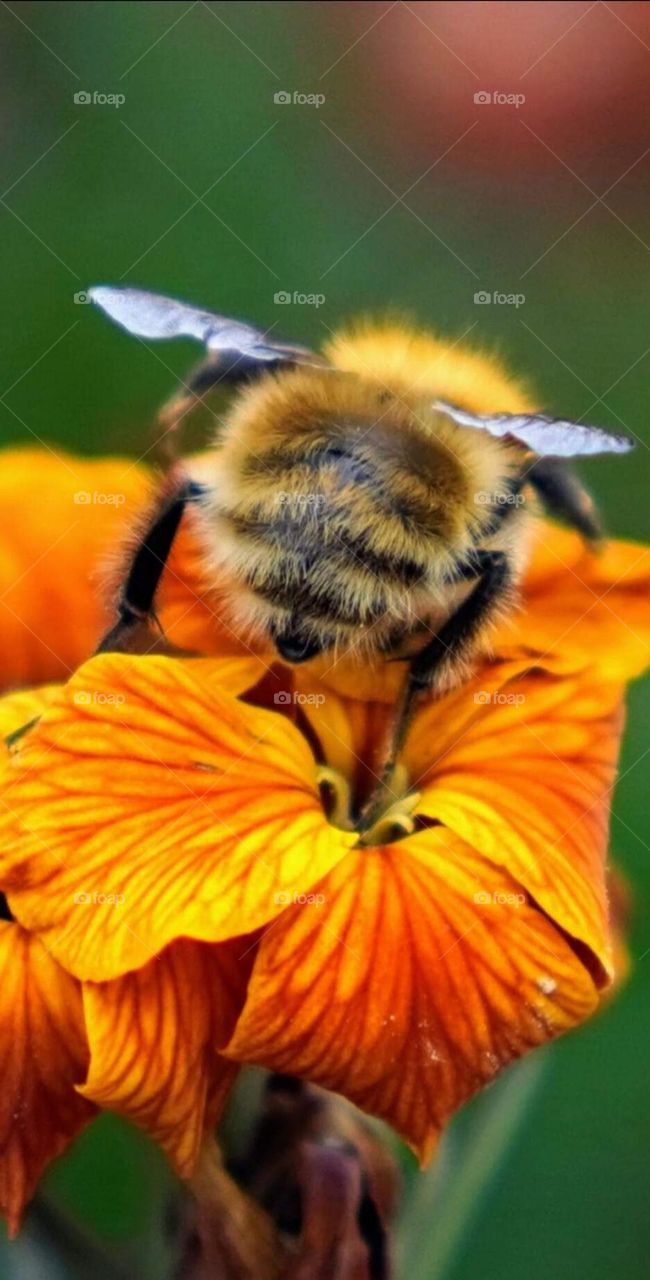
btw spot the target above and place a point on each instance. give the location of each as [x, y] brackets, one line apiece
[398, 190]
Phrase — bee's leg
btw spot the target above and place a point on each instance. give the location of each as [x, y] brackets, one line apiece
[493, 574]
[563, 496]
[136, 602]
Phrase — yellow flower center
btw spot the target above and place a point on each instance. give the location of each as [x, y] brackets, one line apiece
[393, 822]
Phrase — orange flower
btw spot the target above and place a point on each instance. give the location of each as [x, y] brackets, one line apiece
[405, 972]
[43, 1055]
[143, 1046]
[43, 1051]
[61, 558]
[62, 519]
[165, 838]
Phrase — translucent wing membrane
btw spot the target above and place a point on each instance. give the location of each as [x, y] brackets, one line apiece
[549, 437]
[149, 315]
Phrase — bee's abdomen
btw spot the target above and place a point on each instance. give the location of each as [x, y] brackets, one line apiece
[339, 530]
[340, 578]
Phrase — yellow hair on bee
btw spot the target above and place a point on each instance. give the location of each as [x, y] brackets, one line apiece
[344, 498]
[418, 362]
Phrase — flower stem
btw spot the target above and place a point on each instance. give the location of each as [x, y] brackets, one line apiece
[446, 1201]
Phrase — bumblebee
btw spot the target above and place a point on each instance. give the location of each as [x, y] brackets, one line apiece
[376, 498]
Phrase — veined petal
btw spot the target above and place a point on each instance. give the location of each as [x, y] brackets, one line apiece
[582, 607]
[352, 732]
[149, 805]
[19, 708]
[525, 776]
[43, 1054]
[419, 972]
[153, 1036]
[43, 1050]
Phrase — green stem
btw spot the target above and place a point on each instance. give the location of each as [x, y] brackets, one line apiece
[447, 1200]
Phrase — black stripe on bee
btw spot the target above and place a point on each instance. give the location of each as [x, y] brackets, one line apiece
[289, 538]
[352, 472]
[320, 604]
[325, 596]
[392, 570]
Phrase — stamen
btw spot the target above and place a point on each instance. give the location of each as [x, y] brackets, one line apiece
[394, 823]
[336, 797]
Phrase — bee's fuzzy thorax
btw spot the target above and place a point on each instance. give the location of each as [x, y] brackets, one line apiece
[344, 495]
[418, 362]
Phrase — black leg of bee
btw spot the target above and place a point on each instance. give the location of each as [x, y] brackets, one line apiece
[492, 571]
[138, 593]
[564, 496]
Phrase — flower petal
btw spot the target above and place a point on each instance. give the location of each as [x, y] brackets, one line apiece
[149, 805]
[43, 1054]
[56, 550]
[423, 971]
[353, 731]
[524, 774]
[20, 708]
[582, 607]
[153, 1037]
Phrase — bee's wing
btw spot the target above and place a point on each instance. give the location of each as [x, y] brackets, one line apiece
[148, 315]
[548, 437]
